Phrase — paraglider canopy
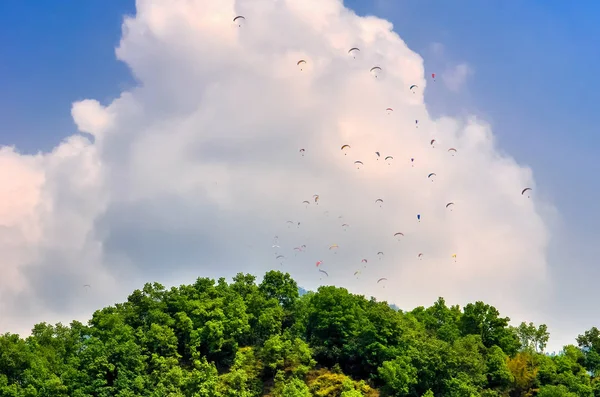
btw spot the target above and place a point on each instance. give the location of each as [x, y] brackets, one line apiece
[240, 20]
[375, 71]
[527, 189]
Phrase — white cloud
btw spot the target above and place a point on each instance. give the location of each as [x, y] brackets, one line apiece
[456, 76]
[194, 171]
[437, 49]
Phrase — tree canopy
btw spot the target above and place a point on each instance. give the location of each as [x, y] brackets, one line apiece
[243, 339]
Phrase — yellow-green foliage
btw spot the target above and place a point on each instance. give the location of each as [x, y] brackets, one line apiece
[324, 383]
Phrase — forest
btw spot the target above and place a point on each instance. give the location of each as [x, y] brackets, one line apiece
[246, 339]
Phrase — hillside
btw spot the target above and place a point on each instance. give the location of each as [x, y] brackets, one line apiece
[219, 339]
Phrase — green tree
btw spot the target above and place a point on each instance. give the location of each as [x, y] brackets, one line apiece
[484, 320]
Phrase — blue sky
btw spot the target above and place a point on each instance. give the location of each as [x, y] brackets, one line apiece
[535, 81]
[54, 53]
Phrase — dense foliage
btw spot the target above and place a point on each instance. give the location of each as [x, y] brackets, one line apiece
[242, 339]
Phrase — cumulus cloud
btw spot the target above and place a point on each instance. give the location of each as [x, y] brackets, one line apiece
[194, 171]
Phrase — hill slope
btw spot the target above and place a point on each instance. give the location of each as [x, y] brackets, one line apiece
[243, 339]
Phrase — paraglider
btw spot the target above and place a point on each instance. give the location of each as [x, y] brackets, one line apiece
[357, 272]
[379, 254]
[319, 263]
[352, 51]
[240, 19]
[306, 202]
[389, 110]
[388, 158]
[420, 255]
[300, 63]
[433, 76]
[413, 162]
[419, 217]
[358, 164]
[430, 175]
[449, 205]
[452, 150]
[316, 197]
[345, 225]
[412, 88]
[432, 142]
[378, 155]
[375, 71]
[417, 123]
[345, 147]
[527, 189]
[380, 201]
[302, 152]
[454, 256]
